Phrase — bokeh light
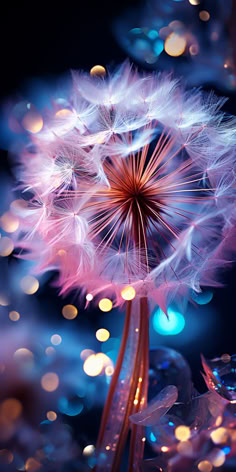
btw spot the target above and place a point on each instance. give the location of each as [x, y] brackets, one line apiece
[105, 304]
[172, 325]
[93, 365]
[205, 466]
[50, 381]
[29, 284]
[194, 2]
[88, 450]
[32, 465]
[204, 15]
[14, 315]
[56, 339]
[109, 370]
[102, 335]
[217, 457]
[175, 44]
[86, 353]
[51, 415]
[33, 122]
[11, 409]
[4, 301]
[9, 222]
[6, 246]
[98, 71]
[182, 433]
[69, 312]
[185, 448]
[128, 293]
[89, 297]
[64, 112]
[23, 354]
[50, 350]
[219, 435]
[202, 298]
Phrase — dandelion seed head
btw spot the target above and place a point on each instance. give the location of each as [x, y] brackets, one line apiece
[134, 184]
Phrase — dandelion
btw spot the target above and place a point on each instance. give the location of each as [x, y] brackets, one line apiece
[136, 190]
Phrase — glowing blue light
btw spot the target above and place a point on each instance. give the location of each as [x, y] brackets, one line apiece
[152, 34]
[73, 408]
[136, 31]
[158, 46]
[141, 44]
[153, 437]
[226, 450]
[202, 298]
[162, 325]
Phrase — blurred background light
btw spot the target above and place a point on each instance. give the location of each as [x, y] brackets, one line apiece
[172, 325]
[6, 246]
[69, 312]
[29, 284]
[14, 315]
[98, 71]
[102, 335]
[128, 293]
[105, 304]
[175, 45]
[50, 381]
[51, 416]
[56, 339]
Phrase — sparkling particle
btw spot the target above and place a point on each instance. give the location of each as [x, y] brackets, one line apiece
[98, 71]
[89, 297]
[102, 335]
[56, 339]
[205, 466]
[105, 304]
[51, 416]
[14, 315]
[29, 284]
[182, 433]
[128, 293]
[69, 312]
[175, 45]
[50, 381]
[204, 15]
[6, 246]
[164, 449]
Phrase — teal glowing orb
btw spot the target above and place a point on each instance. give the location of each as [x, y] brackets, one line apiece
[164, 326]
[202, 298]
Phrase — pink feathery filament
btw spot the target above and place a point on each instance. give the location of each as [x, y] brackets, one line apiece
[134, 185]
